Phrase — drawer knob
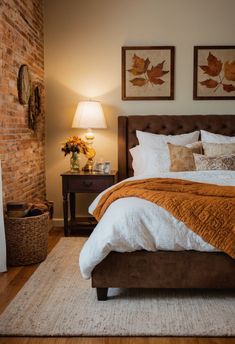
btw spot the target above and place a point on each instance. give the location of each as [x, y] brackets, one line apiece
[87, 184]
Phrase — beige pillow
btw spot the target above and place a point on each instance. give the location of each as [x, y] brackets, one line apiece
[206, 163]
[181, 157]
[216, 149]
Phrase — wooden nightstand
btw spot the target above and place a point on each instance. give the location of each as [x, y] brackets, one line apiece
[82, 182]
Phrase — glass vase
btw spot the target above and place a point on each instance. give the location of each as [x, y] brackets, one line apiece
[75, 162]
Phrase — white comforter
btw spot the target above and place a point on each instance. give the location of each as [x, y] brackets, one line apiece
[131, 224]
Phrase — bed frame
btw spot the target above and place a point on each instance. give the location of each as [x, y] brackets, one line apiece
[164, 269]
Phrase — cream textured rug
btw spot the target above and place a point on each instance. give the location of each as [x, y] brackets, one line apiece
[56, 301]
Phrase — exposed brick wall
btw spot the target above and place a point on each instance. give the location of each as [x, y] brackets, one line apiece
[22, 151]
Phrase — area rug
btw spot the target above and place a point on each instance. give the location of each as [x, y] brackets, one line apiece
[57, 301]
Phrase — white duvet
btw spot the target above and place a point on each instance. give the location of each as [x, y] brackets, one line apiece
[131, 224]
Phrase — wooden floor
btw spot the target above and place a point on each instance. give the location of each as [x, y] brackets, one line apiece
[12, 281]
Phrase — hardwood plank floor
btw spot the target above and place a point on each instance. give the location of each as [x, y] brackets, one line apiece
[13, 280]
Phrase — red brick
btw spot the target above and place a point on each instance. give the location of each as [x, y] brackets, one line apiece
[22, 151]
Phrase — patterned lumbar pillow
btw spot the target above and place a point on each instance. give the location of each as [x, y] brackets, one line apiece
[182, 156]
[215, 149]
[223, 162]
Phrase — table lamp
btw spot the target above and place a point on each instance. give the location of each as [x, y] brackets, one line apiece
[89, 114]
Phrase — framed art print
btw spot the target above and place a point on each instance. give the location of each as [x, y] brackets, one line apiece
[214, 72]
[148, 73]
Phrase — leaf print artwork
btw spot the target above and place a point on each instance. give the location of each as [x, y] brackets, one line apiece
[209, 83]
[140, 65]
[152, 75]
[228, 88]
[156, 72]
[138, 81]
[214, 66]
[214, 72]
[148, 72]
[219, 72]
[229, 70]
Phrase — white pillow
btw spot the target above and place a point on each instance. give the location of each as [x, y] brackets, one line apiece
[137, 163]
[206, 136]
[156, 141]
[147, 160]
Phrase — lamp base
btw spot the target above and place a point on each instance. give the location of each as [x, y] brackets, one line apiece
[89, 165]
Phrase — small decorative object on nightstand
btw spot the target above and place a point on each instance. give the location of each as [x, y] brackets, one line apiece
[82, 182]
[89, 114]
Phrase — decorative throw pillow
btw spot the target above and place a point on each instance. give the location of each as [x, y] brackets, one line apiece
[215, 149]
[206, 136]
[206, 163]
[181, 157]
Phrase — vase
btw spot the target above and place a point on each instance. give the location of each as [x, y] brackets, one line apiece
[75, 162]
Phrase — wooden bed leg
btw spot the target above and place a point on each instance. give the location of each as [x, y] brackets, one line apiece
[102, 294]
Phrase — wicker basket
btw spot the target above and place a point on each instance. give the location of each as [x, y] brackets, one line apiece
[26, 239]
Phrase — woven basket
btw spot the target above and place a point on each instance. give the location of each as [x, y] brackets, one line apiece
[26, 239]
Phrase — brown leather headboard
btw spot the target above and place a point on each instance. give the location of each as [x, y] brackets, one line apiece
[167, 125]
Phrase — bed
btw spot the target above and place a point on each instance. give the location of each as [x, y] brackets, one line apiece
[163, 269]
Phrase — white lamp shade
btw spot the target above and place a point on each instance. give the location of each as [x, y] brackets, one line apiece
[89, 114]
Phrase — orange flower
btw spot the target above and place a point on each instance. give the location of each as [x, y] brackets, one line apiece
[74, 144]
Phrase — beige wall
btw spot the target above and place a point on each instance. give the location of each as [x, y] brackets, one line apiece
[83, 40]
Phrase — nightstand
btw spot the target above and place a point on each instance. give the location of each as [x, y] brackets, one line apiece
[82, 182]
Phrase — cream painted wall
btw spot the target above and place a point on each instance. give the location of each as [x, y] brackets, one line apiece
[83, 40]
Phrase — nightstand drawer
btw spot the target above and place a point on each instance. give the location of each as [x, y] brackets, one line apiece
[89, 184]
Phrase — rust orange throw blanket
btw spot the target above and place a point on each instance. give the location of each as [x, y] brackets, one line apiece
[207, 209]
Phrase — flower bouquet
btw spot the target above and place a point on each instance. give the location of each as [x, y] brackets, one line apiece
[75, 145]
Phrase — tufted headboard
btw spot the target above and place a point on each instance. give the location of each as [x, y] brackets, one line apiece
[167, 125]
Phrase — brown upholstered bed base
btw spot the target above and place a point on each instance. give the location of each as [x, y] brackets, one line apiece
[164, 269]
